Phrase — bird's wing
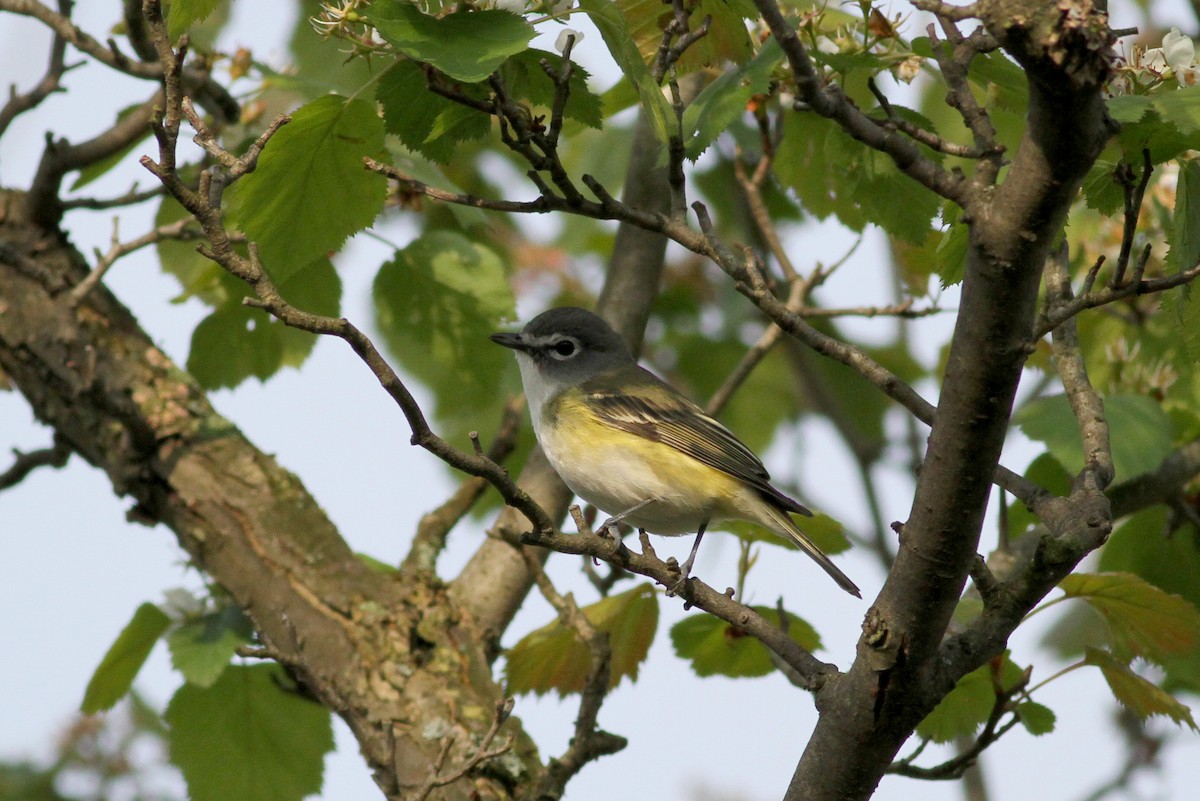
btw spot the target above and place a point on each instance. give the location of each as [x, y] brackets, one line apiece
[653, 409]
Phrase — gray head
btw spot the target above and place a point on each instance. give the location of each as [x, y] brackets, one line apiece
[563, 347]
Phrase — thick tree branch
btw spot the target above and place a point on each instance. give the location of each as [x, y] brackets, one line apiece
[89, 372]
[868, 714]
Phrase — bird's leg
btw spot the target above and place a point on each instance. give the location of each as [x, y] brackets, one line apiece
[615, 519]
[686, 569]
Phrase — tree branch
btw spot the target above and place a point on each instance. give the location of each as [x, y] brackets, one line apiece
[829, 101]
[50, 82]
[23, 464]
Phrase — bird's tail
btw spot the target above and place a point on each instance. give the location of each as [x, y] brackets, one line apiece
[783, 524]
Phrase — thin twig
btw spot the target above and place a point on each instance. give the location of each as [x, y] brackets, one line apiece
[180, 229]
[130, 198]
[588, 743]
[430, 539]
[25, 463]
[1072, 370]
[1134, 193]
[50, 82]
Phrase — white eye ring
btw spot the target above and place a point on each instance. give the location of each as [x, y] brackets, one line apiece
[564, 348]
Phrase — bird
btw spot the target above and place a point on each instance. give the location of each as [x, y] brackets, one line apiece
[635, 447]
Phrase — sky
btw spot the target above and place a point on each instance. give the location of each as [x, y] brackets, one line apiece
[72, 570]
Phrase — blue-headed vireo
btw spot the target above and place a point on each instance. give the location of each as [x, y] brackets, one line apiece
[633, 446]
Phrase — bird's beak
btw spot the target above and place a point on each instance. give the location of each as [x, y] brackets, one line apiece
[514, 341]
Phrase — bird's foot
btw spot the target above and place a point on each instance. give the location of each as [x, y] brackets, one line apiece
[685, 573]
[610, 528]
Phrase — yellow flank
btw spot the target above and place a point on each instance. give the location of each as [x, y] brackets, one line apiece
[590, 455]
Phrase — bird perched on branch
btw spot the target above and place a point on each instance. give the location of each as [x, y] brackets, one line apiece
[633, 446]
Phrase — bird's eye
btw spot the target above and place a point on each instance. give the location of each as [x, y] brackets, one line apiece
[564, 348]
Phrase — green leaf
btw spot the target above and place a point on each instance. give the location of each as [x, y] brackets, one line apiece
[314, 288]
[1185, 223]
[233, 344]
[467, 46]
[425, 122]
[246, 738]
[201, 648]
[182, 14]
[1128, 108]
[1135, 693]
[1139, 431]
[436, 303]
[724, 100]
[1102, 190]
[715, 648]
[1180, 108]
[1184, 305]
[833, 173]
[1145, 621]
[310, 190]
[554, 658]
[965, 708]
[114, 676]
[525, 78]
[609, 20]
[1036, 718]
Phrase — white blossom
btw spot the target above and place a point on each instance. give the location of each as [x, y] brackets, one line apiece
[560, 44]
[1177, 54]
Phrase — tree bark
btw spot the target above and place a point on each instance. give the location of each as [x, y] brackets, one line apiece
[388, 655]
[897, 678]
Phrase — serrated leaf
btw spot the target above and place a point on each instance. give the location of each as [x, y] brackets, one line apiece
[467, 46]
[1036, 718]
[310, 190]
[553, 657]
[1135, 693]
[965, 708]
[436, 303]
[715, 648]
[117, 670]
[525, 78]
[233, 344]
[182, 14]
[425, 122]
[202, 648]
[1184, 305]
[1139, 431]
[1128, 108]
[1102, 190]
[1145, 621]
[609, 20]
[724, 100]
[1185, 222]
[1180, 108]
[834, 173]
[246, 738]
